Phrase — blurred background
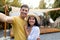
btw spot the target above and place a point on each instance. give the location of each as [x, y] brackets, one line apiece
[48, 12]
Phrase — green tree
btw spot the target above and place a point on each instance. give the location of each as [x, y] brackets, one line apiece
[56, 4]
[15, 3]
[55, 14]
[2, 2]
[8, 2]
[42, 4]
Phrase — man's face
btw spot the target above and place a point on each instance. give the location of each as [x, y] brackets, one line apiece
[23, 12]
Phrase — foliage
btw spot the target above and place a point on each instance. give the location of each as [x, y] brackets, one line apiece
[2, 2]
[42, 4]
[16, 3]
[2, 9]
[55, 14]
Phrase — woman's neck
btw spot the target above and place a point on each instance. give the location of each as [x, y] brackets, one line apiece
[31, 26]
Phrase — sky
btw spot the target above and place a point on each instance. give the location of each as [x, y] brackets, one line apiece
[35, 3]
[49, 2]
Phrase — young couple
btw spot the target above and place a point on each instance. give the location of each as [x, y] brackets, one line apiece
[23, 30]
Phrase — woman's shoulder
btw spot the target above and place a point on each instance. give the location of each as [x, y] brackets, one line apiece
[35, 27]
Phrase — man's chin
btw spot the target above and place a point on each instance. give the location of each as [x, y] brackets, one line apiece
[23, 17]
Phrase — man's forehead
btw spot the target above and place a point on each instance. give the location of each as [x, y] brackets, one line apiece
[24, 8]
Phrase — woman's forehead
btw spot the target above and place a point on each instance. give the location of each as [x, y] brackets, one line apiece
[32, 17]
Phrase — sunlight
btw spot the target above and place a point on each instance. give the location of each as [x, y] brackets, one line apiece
[31, 3]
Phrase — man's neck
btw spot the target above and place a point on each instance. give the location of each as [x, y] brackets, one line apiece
[21, 17]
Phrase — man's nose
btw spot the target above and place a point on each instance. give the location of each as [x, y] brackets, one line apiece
[24, 11]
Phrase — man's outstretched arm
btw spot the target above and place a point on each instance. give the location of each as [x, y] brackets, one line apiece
[53, 9]
[4, 18]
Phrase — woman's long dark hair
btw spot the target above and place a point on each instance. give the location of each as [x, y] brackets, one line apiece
[36, 22]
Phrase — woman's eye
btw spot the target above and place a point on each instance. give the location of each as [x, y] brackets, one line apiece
[22, 9]
[33, 19]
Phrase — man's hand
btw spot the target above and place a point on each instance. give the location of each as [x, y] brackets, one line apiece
[53, 9]
[4, 18]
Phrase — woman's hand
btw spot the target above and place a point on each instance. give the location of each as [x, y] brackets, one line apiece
[38, 38]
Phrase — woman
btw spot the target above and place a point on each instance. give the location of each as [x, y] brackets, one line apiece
[32, 29]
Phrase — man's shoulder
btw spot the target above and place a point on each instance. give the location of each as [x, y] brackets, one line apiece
[15, 17]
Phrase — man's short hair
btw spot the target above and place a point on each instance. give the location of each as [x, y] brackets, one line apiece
[26, 6]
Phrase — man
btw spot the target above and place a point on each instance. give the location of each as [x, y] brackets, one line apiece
[17, 22]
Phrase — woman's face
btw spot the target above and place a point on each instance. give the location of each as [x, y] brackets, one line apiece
[31, 21]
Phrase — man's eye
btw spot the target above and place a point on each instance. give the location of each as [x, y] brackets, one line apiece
[25, 10]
